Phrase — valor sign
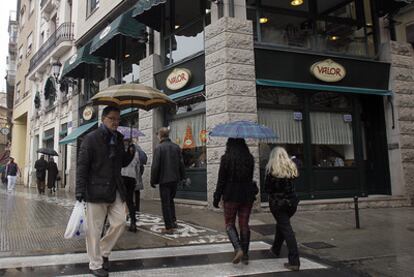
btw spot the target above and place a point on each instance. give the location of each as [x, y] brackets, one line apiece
[328, 71]
[178, 78]
[88, 113]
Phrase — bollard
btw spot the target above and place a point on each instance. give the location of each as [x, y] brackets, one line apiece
[356, 212]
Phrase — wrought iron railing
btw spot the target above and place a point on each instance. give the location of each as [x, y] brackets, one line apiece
[63, 33]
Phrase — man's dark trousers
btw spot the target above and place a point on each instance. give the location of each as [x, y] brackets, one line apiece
[167, 194]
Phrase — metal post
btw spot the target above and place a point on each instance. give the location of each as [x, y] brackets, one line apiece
[356, 212]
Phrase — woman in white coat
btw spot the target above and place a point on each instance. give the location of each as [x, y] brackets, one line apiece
[132, 180]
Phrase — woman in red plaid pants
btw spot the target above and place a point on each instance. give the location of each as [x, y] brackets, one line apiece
[236, 187]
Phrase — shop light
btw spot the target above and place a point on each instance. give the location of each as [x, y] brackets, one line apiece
[334, 38]
[127, 55]
[296, 2]
[177, 26]
[263, 20]
[208, 11]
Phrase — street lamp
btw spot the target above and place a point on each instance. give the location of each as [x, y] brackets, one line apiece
[56, 70]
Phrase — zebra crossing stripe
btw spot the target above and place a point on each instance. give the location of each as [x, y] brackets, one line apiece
[77, 258]
[219, 269]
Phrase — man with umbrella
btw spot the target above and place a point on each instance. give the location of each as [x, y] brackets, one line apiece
[99, 184]
[41, 167]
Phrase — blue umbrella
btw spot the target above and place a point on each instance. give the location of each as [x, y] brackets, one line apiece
[242, 129]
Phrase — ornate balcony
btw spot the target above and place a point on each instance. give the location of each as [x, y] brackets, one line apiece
[62, 34]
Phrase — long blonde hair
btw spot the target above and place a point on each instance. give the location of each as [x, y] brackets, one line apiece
[280, 165]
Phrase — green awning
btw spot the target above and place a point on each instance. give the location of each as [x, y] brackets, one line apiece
[78, 132]
[186, 93]
[75, 65]
[149, 13]
[104, 44]
[297, 85]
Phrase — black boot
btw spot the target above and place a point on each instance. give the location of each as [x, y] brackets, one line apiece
[245, 241]
[133, 225]
[234, 238]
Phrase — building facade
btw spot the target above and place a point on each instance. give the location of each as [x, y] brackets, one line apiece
[324, 75]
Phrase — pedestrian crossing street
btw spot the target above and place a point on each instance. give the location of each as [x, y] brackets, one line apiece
[203, 260]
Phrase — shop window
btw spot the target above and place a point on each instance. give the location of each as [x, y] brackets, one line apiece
[183, 29]
[190, 134]
[331, 130]
[341, 26]
[278, 96]
[409, 31]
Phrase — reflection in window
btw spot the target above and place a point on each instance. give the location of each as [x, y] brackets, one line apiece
[330, 100]
[278, 96]
[287, 124]
[332, 139]
[191, 135]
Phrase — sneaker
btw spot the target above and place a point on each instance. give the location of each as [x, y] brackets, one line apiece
[167, 231]
[237, 256]
[105, 264]
[100, 272]
[291, 267]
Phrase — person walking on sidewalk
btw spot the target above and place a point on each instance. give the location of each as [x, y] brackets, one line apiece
[283, 202]
[41, 167]
[99, 183]
[132, 179]
[167, 170]
[236, 187]
[143, 158]
[11, 172]
[52, 173]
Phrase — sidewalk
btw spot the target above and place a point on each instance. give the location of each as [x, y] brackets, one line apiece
[384, 246]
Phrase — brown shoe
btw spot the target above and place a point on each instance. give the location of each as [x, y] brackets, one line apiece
[291, 267]
[238, 254]
[166, 231]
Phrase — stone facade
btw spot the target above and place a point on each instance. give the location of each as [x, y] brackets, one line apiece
[401, 56]
[149, 121]
[230, 87]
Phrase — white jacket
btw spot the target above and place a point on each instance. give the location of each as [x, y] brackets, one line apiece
[132, 170]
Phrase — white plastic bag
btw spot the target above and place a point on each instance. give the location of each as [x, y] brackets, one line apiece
[77, 221]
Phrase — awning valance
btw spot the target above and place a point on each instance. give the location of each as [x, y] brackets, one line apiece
[186, 93]
[309, 86]
[75, 66]
[124, 26]
[149, 12]
[78, 132]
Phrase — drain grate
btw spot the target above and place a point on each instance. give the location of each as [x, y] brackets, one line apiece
[264, 229]
[318, 245]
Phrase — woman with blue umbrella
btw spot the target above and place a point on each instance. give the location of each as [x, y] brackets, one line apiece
[235, 184]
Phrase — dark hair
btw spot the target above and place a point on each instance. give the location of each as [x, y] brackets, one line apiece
[164, 132]
[238, 156]
[109, 109]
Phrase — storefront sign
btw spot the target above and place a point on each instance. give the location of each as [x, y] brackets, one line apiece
[105, 32]
[348, 117]
[328, 71]
[88, 113]
[178, 78]
[73, 59]
[297, 116]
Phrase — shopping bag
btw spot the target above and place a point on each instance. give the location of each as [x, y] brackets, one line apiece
[77, 223]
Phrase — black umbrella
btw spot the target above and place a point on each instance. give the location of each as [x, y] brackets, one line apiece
[47, 151]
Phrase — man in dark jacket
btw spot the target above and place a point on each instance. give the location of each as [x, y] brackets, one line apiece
[167, 170]
[99, 184]
[41, 166]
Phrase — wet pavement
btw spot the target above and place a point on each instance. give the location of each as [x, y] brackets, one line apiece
[32, 243]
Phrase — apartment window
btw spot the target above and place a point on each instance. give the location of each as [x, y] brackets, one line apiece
[31, 5]
[22, 17]
[20, 53]
[29, 44]
[17, 90]
[91, 6]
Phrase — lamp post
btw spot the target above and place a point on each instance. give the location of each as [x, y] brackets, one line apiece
[56, 66]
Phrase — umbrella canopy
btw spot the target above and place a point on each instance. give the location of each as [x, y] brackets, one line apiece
[242, 129]
[47, 151]
[132, 95]
[130, 132]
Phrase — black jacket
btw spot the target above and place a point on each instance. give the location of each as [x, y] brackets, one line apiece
[167, 163]
[99, 167]
[235, 185]
[280, 188]
[41, 166]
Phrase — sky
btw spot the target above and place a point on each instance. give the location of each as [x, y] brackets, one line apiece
[6, 7]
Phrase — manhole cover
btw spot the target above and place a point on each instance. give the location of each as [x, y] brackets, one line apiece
[264, 229]
[318, 245]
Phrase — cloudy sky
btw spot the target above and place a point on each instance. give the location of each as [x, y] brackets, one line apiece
[6, 7]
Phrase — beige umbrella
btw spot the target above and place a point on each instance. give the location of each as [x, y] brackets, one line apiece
[132, 95]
